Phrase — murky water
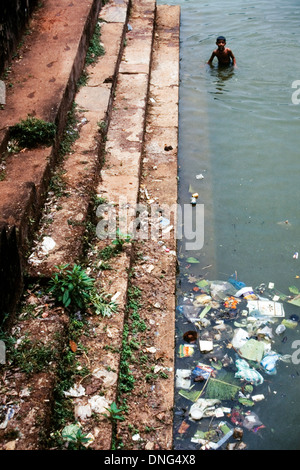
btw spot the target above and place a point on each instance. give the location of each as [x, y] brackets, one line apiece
[239, 129]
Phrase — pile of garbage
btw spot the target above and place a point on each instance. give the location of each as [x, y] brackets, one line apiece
[225, 354]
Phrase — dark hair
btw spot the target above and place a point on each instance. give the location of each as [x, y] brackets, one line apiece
[221, 38]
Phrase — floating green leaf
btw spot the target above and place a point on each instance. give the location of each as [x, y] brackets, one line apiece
[192, 395]
[221, 390]
[294, 290]
[295, 301]
[203, 284]
[246, 401]
[192, 260]
[249, 388]
[205, 311]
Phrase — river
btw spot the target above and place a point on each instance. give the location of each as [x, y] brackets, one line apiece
[239, 130]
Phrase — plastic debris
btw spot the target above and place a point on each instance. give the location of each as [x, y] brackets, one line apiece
[190, 336]
[220, 290]
[206, 346]
[265, 332]
[76, 391]
[237, 284]
[246, 293]
[251, 421]
[98, 404]
[280, 329]
[258, 397]
[202, 370]
[226, 436]
[266, 308]
[109, 377]
[190, 312]
[70, 434]
[203, 407]
[47, 244]
[82, 411]
[183, 378]
[202, 300]
[245, 372]
[186, 350]
[269, 362]
[252, 350]
[238, 433]
[288, 323]
[7, 412]
[233, 339]
[240, 337]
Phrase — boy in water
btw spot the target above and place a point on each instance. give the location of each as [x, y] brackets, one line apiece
[223, 54]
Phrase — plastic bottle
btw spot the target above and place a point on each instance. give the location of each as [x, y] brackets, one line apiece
[280, 329]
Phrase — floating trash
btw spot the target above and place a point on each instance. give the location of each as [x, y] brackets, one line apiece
[190, 336]
[230, 353]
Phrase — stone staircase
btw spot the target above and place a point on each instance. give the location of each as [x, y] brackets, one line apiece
[125, 117]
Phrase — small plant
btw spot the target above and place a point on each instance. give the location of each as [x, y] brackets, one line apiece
[70, 134]
[71, 287]
[83, 79]
[75, 290]
[12, 146]
[95, 49]
[102, 126]
[104, 266]
[107, 253]
[75, 437]
[30, 357]
[120, 240]
[32, 132]
[114, 413]
[102, 304]
[98, 200]
[127, 381]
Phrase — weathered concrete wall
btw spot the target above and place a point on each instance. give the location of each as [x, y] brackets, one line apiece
[23, 189]
[10, 272]
[14, 16]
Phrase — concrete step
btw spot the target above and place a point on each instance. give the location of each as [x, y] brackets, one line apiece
[40, 83]
[82, 167]
[155, 272]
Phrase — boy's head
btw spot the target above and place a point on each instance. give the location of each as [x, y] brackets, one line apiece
[221, 40]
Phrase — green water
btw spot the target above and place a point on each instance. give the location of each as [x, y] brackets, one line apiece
[240, 129]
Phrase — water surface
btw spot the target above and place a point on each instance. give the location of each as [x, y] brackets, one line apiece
[239, 128]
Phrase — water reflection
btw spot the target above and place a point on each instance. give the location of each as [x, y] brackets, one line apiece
[221, 76]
